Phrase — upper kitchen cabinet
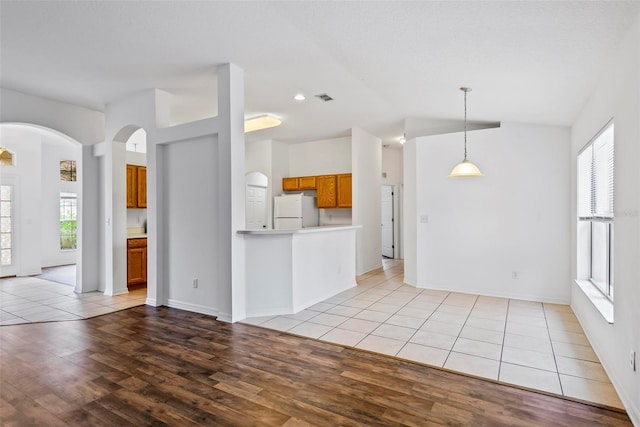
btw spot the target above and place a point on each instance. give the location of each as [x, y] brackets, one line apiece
[142, 187]
[327, 191]
[299, 183]
[334, 191]
[307, 183]
[344, 190]
[136, 186]
[290, 184]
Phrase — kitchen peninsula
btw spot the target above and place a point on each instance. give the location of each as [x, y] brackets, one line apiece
[290, 270]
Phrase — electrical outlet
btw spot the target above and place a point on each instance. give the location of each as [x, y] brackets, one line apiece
[424, 219]
[632, 360]
[515, 274]
[195, 283]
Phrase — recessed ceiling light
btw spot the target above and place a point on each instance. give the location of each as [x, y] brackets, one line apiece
[299, 97]
[263, 121]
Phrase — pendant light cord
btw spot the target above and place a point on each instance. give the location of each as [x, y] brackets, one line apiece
[465, 125]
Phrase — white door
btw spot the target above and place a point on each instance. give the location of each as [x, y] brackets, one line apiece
[387, 221]
[8, 266]
[256, 207]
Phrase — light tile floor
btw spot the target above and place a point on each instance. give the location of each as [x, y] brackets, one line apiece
[31, 299]
[529, 344]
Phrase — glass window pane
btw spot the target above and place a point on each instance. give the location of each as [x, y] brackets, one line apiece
[5, 192]
[5, 225]
[600, 254]
[584, 183]
[5, 240]
[5, 208]
[5, 256]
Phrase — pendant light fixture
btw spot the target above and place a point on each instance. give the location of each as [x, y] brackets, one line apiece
[465, 169]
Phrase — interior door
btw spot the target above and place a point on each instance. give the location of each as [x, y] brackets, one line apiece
[256, 207]
[387, 221]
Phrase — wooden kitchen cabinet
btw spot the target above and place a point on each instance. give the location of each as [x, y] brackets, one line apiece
[327, 191]
[290, 184]
[307, 183]
[142, 186]
[344, 190]
[136, 262]
[136, 186]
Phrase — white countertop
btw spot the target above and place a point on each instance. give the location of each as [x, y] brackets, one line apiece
[269, 231]
[136, 236]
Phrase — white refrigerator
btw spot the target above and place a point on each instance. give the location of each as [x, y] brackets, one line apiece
[293, 211]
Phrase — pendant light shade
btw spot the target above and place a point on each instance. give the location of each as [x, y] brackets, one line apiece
[465, 169]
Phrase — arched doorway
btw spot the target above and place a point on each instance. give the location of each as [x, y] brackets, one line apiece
[130, 210]
[41, 200]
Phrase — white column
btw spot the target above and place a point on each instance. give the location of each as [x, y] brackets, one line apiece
[231, 194]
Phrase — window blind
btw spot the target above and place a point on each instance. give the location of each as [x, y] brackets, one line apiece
[596, 177]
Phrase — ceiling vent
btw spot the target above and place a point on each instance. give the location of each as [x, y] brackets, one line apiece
[324, 97]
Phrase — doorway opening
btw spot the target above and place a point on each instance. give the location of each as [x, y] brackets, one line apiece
[41, 191]
[387, 221]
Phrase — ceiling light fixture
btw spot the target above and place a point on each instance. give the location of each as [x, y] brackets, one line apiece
[263, 121]
[299, 97]
[465, 169]
[402, 140]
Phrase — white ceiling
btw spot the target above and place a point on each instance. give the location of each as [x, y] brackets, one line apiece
[382, 62]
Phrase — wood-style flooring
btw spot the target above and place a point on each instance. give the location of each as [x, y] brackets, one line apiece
[161, 366]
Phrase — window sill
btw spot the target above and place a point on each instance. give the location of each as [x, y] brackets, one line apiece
[600, 302]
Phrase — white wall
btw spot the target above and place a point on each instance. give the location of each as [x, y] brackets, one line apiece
[515, 218]
[86, 127]
[617, 95]
[190, 208]
[410, 213]
[324, 157]
[83, 125]
[52, 153]
[367, 164]
[279, 166]
[392, 165]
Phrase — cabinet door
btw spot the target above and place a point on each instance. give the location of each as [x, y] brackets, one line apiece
[344, 190]
[290, 184]
[132, 186]
[144, 264]
[326, 193]
[141, 186]
[307, 182]
[136, 261]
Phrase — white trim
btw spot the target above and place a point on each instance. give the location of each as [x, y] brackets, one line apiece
[196, 308]
[483, 292]
[597, 298]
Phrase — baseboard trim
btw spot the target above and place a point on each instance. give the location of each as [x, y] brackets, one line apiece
[196, 308]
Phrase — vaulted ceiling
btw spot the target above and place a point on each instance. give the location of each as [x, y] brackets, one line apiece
[382, 62]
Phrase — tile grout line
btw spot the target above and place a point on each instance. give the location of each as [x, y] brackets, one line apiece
[553, 351]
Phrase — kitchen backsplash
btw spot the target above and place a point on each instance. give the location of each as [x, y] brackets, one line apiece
[136, 218]
[335, 216]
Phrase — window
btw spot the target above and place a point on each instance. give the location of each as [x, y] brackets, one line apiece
[68, 224]
[6, 234]
[595, 206]
[68, 170]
